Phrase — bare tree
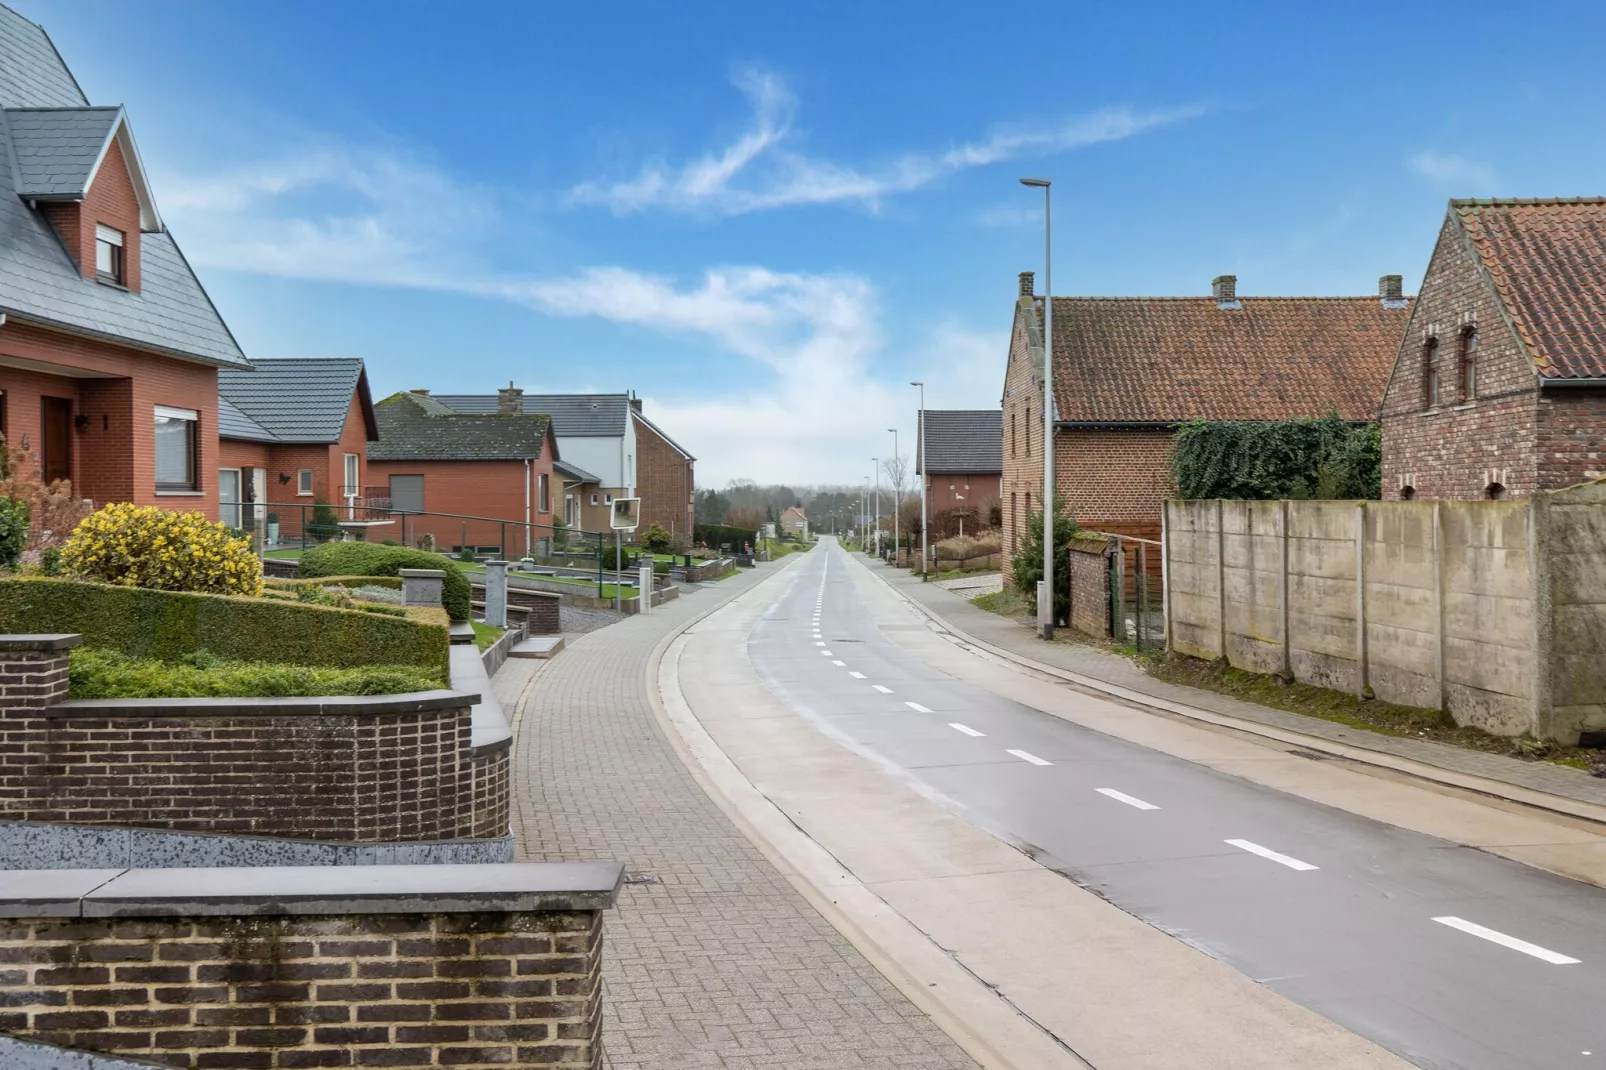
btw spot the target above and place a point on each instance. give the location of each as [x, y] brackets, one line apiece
[896, 469]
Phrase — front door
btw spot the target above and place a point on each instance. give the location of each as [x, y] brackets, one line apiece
[55, 439]
[228, 497]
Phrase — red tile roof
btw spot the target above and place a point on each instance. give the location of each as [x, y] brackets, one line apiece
[1547, 260]
[1168, 359]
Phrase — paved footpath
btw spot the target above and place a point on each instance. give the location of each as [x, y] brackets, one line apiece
[1090, 661]
[719, 962]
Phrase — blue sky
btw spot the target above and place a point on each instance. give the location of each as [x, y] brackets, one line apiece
[766, 221]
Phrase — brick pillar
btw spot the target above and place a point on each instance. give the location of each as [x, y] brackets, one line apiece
[33, 677]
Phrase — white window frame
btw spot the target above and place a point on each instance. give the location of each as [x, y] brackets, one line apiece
[543, 492]
[351, 472]
[115, 238]
[304, 482]
[593, 499]
[237, 506]
[193, 418]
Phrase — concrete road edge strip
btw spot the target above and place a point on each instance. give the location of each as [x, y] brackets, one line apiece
[1538, 800]
[986, 1026]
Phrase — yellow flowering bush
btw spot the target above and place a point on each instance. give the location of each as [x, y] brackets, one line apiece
[158, 549]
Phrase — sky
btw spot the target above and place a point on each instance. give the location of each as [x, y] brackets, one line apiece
[767, 219]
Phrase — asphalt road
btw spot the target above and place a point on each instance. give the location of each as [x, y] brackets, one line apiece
[1445, 955]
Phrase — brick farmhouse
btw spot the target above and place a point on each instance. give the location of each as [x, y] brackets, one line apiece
[109, 347]
[963, 449]
[1499, 387]
[1129, 370]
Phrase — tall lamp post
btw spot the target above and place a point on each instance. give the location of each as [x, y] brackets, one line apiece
[896, 519]
[1045, 601]
[920, 428]
[876, 468]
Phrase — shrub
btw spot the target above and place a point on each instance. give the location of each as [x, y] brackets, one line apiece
[616, 558]
[1271, 459]
[143, 546]
[53, 511]
[1026, 567]
[466, 555]
[963, 547]
[169, 625]
[50, 561]
[717, 535]
[657, 540]
[99, 673]
[13, 531]
[371, 559]
[324, 524]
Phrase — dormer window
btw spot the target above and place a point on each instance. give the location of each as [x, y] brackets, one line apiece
[109, 255]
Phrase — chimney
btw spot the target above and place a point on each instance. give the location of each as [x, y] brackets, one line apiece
[510, 401]
[1391, 290]
[425, 393]
[1026, 283]
[635, 403]
[1224, 288]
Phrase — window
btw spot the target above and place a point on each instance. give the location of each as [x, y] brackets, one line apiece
[1495, 492]
[1407, 494]
[176, 442]
[108, 254]
[543, 493]
[1469, 364]
[304, 482]
[593, 499]
[353, 488]
[1430, 378]
[607, 499]
[1014, 420]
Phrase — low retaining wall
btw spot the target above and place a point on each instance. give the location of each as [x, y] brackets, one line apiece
[1088, 573]
[389, 767]
[540, 603]
[705, 571]
[468, 966]
[495, 655]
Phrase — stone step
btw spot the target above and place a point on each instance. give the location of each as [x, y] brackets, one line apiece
[540, 646]
[460, 631]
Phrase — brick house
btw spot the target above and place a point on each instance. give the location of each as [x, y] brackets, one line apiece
[293, 432]
[1499, 386]
[621, 453]
[1129, 370]
[964, 450]
[492, 474]
[795, 522]
[109, 347]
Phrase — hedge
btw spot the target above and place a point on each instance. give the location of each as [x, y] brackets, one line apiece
[371, 559]
[393, 583]
[722, 535]
[171, 624]
[98, 673]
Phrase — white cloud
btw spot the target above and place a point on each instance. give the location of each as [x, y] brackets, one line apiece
[759, 171]
[1448, 169]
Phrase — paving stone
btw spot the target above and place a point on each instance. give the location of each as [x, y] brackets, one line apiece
[719, 962]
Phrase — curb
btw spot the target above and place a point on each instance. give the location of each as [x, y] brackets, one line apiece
[1495, 789]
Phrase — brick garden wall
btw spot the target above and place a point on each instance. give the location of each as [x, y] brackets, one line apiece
[385, 768]
[472, 990]
[1089, 568]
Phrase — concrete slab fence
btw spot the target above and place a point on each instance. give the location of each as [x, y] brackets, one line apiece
[1494, 611]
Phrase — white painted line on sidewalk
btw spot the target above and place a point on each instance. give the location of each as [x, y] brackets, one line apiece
[917, 707]
[856, 675]
[1266, 852]
[966, 730]
[883, 690]
[1121, 796]
[838, 663]
[1507, 941]
[1028, 757]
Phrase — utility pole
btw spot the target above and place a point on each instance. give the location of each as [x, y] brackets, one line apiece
[876, 461]
[896, 503]
[920, 427]
[1045, 616]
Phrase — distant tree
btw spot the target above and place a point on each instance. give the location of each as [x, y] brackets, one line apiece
[746, 517]
[712, 505]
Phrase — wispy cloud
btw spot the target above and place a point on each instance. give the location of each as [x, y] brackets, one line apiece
[1004, 216]
[1448, 169]
[760, 170]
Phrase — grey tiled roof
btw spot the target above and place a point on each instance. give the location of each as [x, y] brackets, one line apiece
[39, 281]
[963, 440]
[296, 399]
[232, 423]
[574, 471]
[413, 427]
[579, 415]
[56, 149]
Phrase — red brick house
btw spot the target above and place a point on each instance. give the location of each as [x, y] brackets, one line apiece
[109, 347]
[964, 450]
[491, 475]
[665, 479]
[293, 432]
[1499, 387]
[1129, 370]
[795, 522]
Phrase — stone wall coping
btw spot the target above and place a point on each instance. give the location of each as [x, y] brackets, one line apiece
[62, 641]
[284, 890]
[422, 573]
[224, 706]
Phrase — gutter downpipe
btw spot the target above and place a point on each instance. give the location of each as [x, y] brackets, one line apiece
[527, 507]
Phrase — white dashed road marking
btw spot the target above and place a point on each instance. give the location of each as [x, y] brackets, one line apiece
[856, 675]
[1503, 940]
[838, 663]
[966, 730]
[883, 690]
[1121, 796]
[1266, 852]
[1028, 757]
[917, 707]
[828, 654]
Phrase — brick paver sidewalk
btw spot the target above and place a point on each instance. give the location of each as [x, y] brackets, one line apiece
[719, 963]
[1019, 639]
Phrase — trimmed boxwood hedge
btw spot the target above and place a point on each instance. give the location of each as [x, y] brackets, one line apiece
[172, 624]
[96, 672]
[377, 559]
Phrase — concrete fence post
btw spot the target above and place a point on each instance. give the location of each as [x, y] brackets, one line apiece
[1221, 579]
[645, 579]
[496, 593]
[422, 586]
[1438, 604]
[1544, 724]
[1165, 576]
[1362, 685]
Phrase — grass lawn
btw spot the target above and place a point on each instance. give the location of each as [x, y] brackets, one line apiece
[485, 634]
[291, 554]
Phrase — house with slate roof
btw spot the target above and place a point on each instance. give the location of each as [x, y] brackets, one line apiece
[963, 450]
[1129, 370]
[1499, 383]
[484, 481]
[109, 347]
[294, 431]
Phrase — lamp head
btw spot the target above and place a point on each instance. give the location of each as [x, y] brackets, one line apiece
[1043, 182]
[916, 382]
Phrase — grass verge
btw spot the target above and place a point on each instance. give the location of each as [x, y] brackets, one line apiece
[485, 634]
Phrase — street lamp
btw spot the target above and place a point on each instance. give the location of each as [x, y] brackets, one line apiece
[1045, 613]
[920, 430]
[876, 468]
[896, 519]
